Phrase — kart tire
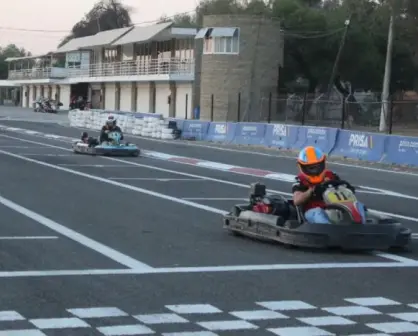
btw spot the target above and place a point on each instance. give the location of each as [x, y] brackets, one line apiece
[135, 153]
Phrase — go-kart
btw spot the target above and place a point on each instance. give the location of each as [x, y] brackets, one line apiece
[289, 226]
[109, 148]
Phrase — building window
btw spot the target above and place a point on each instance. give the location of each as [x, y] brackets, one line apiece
[224, 41]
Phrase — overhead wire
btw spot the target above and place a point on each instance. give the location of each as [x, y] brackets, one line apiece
[308, 34]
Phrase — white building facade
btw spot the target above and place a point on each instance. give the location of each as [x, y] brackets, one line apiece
[135, 69]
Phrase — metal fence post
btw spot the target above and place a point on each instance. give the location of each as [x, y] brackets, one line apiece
[343, 112]
[187, 106]
[211, 107]
[305, 97]
[239, 107]
[270, 105]
[390, 116]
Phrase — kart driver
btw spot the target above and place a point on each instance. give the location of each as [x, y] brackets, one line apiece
[307, 191]
[110, 126]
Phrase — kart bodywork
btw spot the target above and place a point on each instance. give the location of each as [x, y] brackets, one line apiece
[80, 147]
[378, 233]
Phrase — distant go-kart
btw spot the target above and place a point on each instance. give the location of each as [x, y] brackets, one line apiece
[110, 148]
[289, 226]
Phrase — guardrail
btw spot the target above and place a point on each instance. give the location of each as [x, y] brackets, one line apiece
[367, 146]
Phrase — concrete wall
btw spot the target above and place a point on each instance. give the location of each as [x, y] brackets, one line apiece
[253, 73]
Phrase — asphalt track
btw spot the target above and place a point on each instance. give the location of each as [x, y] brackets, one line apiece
[141, 241]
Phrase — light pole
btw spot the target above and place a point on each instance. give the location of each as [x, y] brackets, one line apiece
[386, 79]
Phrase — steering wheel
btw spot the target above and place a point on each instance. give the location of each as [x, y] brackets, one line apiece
[320, 188]
[114, 137]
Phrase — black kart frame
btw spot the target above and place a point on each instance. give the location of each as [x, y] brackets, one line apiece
[378, 234]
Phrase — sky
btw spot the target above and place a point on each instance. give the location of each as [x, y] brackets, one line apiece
[61, 15]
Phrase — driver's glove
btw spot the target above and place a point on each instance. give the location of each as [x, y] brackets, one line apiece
[318, 189]
[349, 186]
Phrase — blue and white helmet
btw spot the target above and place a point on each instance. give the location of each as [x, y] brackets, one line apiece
[111, 121]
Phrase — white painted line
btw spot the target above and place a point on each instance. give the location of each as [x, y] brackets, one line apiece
[410, 317]
[393, 257]
[286, 305]
[213, 199]
[352, 311]
[388, 214]
[368, 192]
[10, 315]
[148, 192]
[125, 330]
[258, 315]
[322, 321]
[22, 332]
[301, 331]
[194, 309]
[390, 193]
[209, 269]
[59, 323]
[191, 333]
[156, 179]
[97, 312]
[27, 237]
[373, 301]
[160, 318]
[23, 147]
[92, 165]
[321, 266]
[73, 235]
[227, 325]
[394, 327]
[40, 154]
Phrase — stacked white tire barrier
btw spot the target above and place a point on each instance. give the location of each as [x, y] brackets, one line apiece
[147, 126]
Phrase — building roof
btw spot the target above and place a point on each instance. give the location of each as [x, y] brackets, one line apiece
[6, 83]
[11, 59]
[100, 39]
[142, 34]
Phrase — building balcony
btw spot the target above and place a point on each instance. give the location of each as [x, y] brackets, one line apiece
[37, 74]
[146, 70]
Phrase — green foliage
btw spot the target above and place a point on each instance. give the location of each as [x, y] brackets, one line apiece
[314, 31]
[105, 15]
[9, 51]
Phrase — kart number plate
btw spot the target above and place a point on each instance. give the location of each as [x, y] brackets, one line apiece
[340, 197]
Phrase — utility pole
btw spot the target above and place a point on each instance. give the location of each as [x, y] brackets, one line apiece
[386, 79]
[337, 59]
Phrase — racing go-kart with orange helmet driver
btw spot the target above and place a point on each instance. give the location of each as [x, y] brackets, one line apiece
[108, 144]
[331, 217]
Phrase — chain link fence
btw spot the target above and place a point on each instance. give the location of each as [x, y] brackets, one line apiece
[360, 112]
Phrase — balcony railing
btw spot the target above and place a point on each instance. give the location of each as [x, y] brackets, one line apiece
[37, 73]
[152, 67]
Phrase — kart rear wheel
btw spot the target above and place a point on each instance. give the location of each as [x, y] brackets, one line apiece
[135, 153]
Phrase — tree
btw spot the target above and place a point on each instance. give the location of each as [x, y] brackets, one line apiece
[10, 51]
[105, 15]
[314, 30]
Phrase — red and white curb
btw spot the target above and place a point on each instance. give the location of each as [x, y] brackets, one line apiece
[221, 166]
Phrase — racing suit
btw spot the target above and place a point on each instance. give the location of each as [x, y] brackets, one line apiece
[106, 129]
[314, 207]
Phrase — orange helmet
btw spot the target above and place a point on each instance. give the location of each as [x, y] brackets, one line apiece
[311, 162]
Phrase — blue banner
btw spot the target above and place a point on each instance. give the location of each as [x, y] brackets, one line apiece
[195, 130]
[321, 137]
[221, 132]
[402, 150]
[359, 145]
[250, 134]
[281, 136]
